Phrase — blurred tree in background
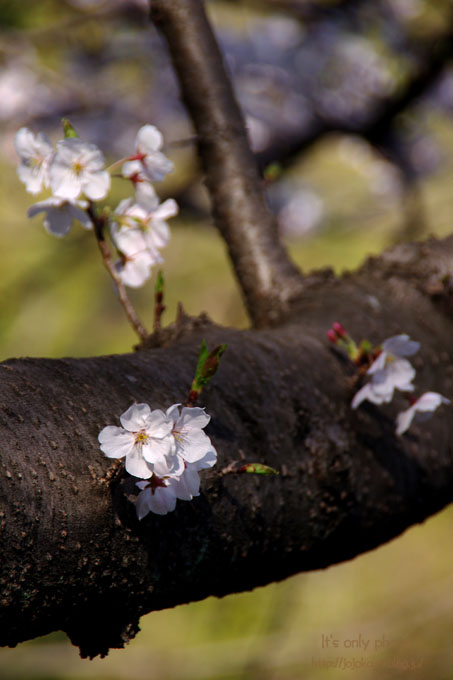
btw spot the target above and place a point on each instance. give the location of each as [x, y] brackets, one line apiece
[348, 106]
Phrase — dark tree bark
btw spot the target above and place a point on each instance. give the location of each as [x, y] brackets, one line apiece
[74, 555]
[267, 277]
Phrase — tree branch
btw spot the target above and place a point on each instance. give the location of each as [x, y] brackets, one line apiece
[267, 277]
[74, 555]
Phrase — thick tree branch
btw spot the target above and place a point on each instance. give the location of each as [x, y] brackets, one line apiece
[267, 277]
[75, 557]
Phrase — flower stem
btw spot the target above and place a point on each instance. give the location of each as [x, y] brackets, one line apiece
[99, 225]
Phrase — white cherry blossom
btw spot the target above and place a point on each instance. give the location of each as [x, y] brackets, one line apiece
[192, 444]
[78, 168]
[187, 485]
[134, 267]
[148, 215]
[60, 214]
[144, 439]
[35, 152]
[156, 496]
[421, 410]
[148, 161]
[389, 371]
[159, 495]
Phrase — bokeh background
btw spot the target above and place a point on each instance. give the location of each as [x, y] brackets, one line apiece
[349, 109]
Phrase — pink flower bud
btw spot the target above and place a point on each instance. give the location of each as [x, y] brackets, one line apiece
[332, 336]
[339, 329]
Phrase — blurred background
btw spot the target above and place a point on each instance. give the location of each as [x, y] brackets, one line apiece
[349, 110]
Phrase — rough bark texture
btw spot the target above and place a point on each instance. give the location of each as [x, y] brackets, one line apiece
[74, 556]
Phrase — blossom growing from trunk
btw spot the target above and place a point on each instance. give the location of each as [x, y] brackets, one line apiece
[156, 496]
[36, 153]
[148, 162]
[389, 371]
[78, 168]
[60, 214]
[192, 444]
[160, 493]
[187, 485]
[421, 410]
[143, 440]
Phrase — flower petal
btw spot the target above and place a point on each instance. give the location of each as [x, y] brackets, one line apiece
[115, 442]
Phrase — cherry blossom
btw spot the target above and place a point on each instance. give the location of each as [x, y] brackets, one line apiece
[156, 496]
[76, 168]
[60, 214]
[148, 161]
[159, 494]
[192, 444]
[35, 152]
[148, 215]
[187, 485]
[421, 410]
[134, 267]
[389, 371]
[144, 439]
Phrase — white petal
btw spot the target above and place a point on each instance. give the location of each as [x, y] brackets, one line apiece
[156, 166]
[155, 450]
[136, 465]
[158, 424]
[141, 505]
[173, 412]
[97, 186]
[367, 392]
[131, 168]
[378, 364]
[208, 461]
[429, 401]
[188, 485]
[134, 418]
[400, 346]
[404, 420]
[115, 442]
[169, 466]
[167, 209]
[149, 139]
[146, 196]
[133, 273]
[195, 445]
[192, 418]
[162, 501]
[64, 183]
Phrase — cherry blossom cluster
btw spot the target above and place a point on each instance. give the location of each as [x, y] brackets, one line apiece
[165, 451]
[387, 370]
[75, 174]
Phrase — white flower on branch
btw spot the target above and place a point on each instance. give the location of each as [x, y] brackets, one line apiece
[389, 371]
[187, 486]
[35, 152]
[148, 215]
[148, 162]
[134, 267]
[421, 410]
[156, 496]
[60, 214]
[144, 439]
[192, 444]
[159, 494]
[76, 168]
